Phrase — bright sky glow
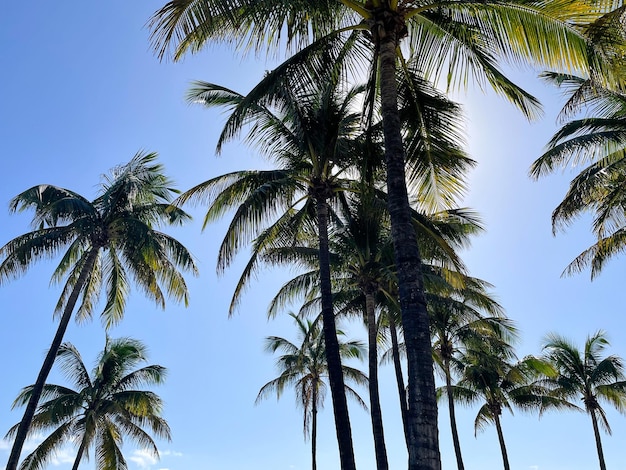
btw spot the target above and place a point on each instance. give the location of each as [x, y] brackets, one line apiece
[81, 92]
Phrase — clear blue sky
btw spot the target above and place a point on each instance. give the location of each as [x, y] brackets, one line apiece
[81, 92]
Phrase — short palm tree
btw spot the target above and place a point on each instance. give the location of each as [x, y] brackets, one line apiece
[107, 241]
[489, 375]
[457, 318]
[303, 366]
[588, 376]
[105, 406]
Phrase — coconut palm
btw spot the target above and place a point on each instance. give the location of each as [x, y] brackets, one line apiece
[308, 130]
[598, 143]
[107, 241]
[588, 376]
[468, 36]
[489, 374]
[303, 366]
[457, 317]
[105, 406]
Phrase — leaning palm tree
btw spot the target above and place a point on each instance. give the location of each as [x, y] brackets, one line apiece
[107, 241]
[305, 368]
[587, 376]
[105, 406]
[468, 37]
[308, 130]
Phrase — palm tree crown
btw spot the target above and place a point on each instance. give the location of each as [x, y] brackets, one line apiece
[590, 377]
[304, 367]
[596, 143]
[104, 406]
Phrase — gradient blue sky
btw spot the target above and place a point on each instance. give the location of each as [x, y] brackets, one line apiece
[81, 92]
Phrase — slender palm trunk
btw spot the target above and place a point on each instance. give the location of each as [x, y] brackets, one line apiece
[423, 448]
[79, 455]
[453, 426]
[375, 410]
[314, 429]
[333, 359]
[596, 433]
[395, 353]
[505, 456]
[31, 407]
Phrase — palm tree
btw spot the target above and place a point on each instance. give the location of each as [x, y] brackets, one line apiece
[597, 142]
[107, 241]
[490, 375]
[304, 367]
[308, 130]
[589, 377]
[467, 36]
[104, 407]
[457, 319]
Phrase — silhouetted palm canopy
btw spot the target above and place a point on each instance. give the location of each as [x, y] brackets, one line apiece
[105, 243]
[489, 375]
[597, 144]
[105, 406]
[588, 376]
[457, 306]
[304, 368]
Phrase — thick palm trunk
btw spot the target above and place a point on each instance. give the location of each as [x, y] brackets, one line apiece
[375, 410]
[31, 406]
[395, 353]
[333, 359]
[314, 429]
[453, 426]
[423, 448]
[505, 456]
[596, 433]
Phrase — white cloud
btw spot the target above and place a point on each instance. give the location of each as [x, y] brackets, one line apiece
[172, 453]
[62, 456]
[533, 467]
[143, 458]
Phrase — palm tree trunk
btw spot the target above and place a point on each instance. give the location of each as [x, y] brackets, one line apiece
[31, 407]
[79, 455]
[395, 353]
[455, 432]
[375, 410]
[333, 359]
[596, 433]
[505, 457]
[423, 448]
[314, 429]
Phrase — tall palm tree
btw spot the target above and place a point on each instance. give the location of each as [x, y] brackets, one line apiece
[308, 130]
[105, 406]
[588, 376]
[304, 367]
[107, 240]
[468, 36]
